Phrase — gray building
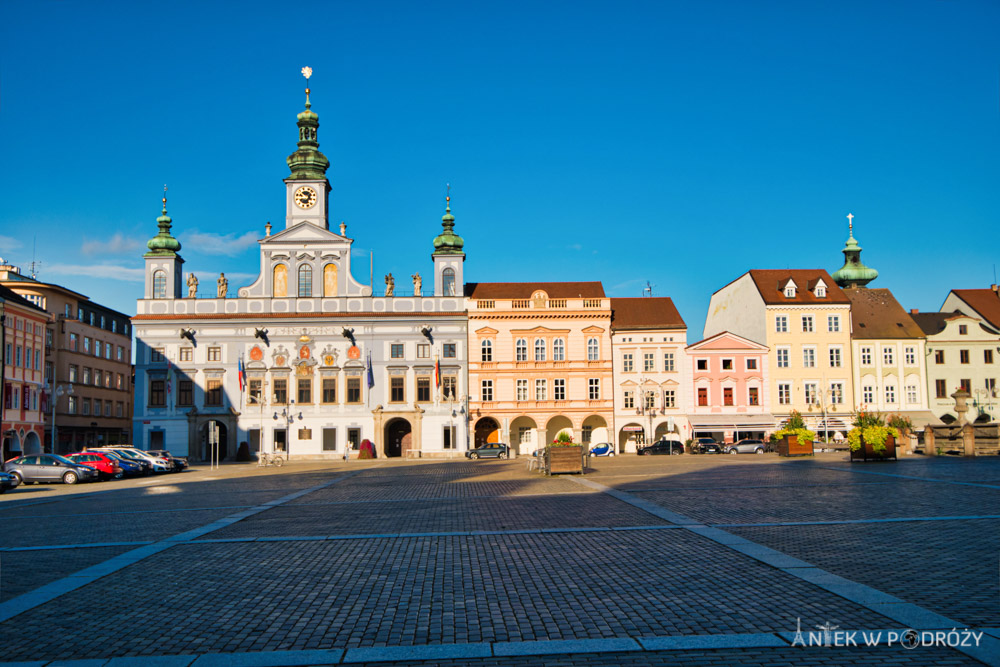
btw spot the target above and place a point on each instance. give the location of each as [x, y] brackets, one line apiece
[304, 361]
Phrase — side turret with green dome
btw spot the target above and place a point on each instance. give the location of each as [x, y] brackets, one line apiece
[448, 242]
[853, 273]
[163, 244]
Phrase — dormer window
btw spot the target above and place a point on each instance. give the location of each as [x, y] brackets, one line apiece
[820, 291]
[790, 290]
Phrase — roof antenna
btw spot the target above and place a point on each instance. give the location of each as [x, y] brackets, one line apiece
[647, 290]
[35, 265]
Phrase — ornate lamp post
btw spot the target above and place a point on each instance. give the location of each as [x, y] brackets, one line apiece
[288, 416]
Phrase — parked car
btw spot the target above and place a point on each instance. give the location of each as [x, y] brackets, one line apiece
[491, 450]
[178, 462]
[106, 467]
[8, 481]
[661, 447]
[49, 468]
[603, 449]
[706, 446]
[748, 446]
[130, 467]
[158, 464]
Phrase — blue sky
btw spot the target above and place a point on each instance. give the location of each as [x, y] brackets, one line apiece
[679, 143]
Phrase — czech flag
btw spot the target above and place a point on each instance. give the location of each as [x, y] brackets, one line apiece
[242, 374]
[437, 371]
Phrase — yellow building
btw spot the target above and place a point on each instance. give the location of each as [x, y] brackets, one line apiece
[539, 363]
[804, 319]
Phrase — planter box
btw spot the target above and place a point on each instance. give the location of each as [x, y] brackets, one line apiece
[789, 446]
[866, 453]
[564, 459]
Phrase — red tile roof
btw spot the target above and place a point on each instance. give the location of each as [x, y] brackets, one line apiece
[645, 313]
[875, 313]
[983, 301]
[587, 290]
[771, 283]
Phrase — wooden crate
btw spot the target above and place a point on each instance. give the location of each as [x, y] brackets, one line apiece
[564, 459]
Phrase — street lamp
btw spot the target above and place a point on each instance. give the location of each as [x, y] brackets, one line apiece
[288, 417]
[56, 393]
[455, 413]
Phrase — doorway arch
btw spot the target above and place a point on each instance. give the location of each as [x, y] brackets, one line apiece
[398, 436]
[32, 444]
[207, 451]
[487, 430]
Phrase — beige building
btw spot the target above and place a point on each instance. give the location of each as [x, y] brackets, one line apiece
[88, 364]
[804, 319]
[540, 363]
[652, 397]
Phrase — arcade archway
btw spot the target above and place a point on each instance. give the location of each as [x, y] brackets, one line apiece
[398, 436]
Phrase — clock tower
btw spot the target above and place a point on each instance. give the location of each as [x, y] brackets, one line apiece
[307, 190]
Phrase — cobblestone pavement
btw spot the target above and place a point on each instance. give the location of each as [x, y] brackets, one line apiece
[692, 560]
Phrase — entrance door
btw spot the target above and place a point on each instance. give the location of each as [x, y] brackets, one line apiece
[397, 434]
[487, 430]
[280, 440]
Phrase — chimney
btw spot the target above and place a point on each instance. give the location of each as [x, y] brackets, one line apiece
[914, 311]
[994, 288]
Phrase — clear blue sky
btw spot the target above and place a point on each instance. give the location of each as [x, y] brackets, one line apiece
[680, 143]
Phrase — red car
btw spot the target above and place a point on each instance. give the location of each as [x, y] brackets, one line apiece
[104, 464]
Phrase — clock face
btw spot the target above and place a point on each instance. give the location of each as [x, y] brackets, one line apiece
[305, 197]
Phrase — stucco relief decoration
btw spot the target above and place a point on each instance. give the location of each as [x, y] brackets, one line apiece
[256, 354]
[280, 356]
[329, 355]
[304, 352]
[354, 352]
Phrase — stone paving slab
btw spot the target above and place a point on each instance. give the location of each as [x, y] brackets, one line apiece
[23, 571]
[761, 505]
[435, 516]
[948, 567]
[359, 491]
[946, 468]
[418, 591]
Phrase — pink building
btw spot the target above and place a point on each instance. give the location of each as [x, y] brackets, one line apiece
[730, 388]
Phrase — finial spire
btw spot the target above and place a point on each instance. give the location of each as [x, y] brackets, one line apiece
[307, 72]
[850, 223]
[447, 198]
[164, 197]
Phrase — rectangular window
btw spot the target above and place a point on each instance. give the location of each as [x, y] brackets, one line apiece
[353, 437]
[254, 392]
[808, 357]
[17, 356]
[910, 356]
[629, 400]
[354, 391]
[781, 323]
[868, 394]
[213, 392]
[888, 356]
[305, 390]
[727, 395]
[448, 441]
[107, 350]
[396, 351]
[86, 375]
[784, 393]
[280, 391]
[215, 354]
[397, 389]
[487, 350]
[156, 355]
[988, 356]
[121, 353]
[966, 384]
[559, 389]
[938, 356]
[157, 393]
[119, 381]
[649, 400]
[328, 386]
[648, 364]
[940, 389]
[423, 351]
[890, 394]
[807, 323]
[702, 396]
[84, 405]
[833, 323]
[522, 390]
[991, 387]
[423, 390]
[963, 356]
[963, 329]
[753, 396]
[866, 356]
[329, 440]
[73, 372]
[449, 350]
[783, 354]
[911, 393]
[186, 353]
[72, 405]
[521, 350]
[701, 364]
[835, 360]
[836, 393]
[541, 390]
[594, 389]
[752, 364]
[107, 379]
[812, 397]
[593, 350]
[185, 393]
[86, 345]
[669, 398]
[627, 364]
[587, 435]
[449, 387]
[119, 409]
[98, 377]
[668, 362]
[74, 342]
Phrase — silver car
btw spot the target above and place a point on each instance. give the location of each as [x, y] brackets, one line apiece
[49, 468]
[747, 447]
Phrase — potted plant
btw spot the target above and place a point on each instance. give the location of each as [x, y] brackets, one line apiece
[794, 439]
[564, 455]
[871, 439]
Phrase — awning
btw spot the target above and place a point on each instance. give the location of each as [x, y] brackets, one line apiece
[731, 421]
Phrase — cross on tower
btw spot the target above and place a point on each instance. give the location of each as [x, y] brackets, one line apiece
[850, 222]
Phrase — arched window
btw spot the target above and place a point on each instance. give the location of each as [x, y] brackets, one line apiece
[487, 350]
[279, 286]
[521, 349]
[558, 350]
[593, 353]
[448, 282]
[330, 280]
[159, 284]
[305, 280]
[539, 349]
